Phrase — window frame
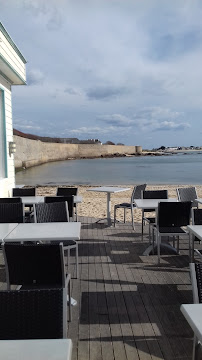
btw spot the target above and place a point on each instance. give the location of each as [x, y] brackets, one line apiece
[4, 166]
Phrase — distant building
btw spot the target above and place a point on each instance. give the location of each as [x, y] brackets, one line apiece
[12, 72]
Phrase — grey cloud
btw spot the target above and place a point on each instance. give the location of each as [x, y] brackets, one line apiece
[116, 120]
[35, 77]
[71, 91]
[170, 125]
[105, 92]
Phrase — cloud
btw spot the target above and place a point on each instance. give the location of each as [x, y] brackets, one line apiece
[105, 92]
[35, 77]
[116, 120]
[169, 125]
[50, 11]
[72, 91]
[158, 118]
[94, 130]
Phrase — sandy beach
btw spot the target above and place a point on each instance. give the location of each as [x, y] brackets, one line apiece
[94, 203]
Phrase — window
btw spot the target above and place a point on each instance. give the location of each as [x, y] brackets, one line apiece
[2, 137]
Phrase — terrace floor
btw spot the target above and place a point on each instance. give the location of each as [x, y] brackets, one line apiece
[128, 307]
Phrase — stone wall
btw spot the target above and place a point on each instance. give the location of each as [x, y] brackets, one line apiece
[34, 152]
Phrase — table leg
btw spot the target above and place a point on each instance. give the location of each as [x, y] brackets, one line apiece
[191, 246]
[109, 209]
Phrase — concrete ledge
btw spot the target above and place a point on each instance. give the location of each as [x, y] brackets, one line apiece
[35, 152]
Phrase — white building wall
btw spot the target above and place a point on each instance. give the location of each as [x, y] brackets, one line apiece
[9, 54]
[6, 184]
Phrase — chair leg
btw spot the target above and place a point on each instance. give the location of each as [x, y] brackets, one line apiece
[70, 295]
[132, 217]
[142, 223]
[124, 215]
[114, 216]
[149, 233]
[178, 244]
[158, 237]
[77, 261]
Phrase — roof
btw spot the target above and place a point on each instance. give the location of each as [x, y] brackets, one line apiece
[11, 42]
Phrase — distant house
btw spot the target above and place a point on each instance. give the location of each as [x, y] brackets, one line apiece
[12, 72]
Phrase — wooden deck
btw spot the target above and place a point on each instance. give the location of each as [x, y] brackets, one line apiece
[128, 307]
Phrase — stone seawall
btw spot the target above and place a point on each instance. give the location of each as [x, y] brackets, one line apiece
[35, 152]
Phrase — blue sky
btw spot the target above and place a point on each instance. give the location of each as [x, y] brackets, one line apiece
[128, 71]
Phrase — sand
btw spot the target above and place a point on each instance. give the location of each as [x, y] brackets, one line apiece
[94, 204]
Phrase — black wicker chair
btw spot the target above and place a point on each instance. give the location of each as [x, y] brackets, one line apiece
[188, 194]
[196, 281]
[197, 220]
[10, 200]
[36, 266]
[69, 199]
[56, 212]
[151, 194]
[136, 194]
[67, 191]
[26, 192]
[172, 216]
[11, 213]
[33, 314]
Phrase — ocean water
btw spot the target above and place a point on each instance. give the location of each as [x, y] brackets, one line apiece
[169, 169]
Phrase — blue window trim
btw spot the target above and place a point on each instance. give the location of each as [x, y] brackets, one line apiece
[4, 132]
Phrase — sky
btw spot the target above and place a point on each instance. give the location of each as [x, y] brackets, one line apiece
[128, 71]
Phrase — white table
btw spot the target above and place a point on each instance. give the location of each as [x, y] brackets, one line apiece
[193, 315]
[145, 204]
[6, 228]
[42, 349]
[194, 230]
[31, 200]
[198, 200]
[109, 190]
[151, 203]
[45, 232]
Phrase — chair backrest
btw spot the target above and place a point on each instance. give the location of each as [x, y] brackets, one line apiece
[11, 213]
[197, 216]
[67, 191]
[155, 194]
[32, 314]
[24, 192]
[187, 194]
[69, 199]
[174, 214]
[34, 264]
[137, 191]
[196, 281]
[10, 200]
[52, 212]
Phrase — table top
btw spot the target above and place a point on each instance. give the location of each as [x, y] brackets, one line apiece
[196, 230]
[6, 228]
[109, 189]
[31, 199]
[45, 231]
[44, 349]
[199, 200]
[193, 315]
[151, 203]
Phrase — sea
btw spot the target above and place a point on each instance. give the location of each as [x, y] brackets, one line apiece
[180, 168]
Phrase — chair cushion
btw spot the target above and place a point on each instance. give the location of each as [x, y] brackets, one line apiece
[170, 230]
[151, 220]
[65, 242]
[127, 205]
